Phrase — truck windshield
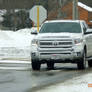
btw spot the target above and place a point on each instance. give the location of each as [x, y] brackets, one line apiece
[59, 27]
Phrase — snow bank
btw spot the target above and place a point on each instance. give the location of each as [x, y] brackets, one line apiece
[15, 39]
[79, 84]
[15, 44]
[27, 30]
[2, 12]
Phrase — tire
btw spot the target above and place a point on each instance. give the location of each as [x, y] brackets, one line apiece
[50, 65]
[82, 63]
[36, 65]
[90, 63]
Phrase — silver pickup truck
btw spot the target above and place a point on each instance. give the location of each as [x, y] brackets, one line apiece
[62, 41]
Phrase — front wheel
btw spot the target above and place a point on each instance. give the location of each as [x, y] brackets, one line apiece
[50, 65]
[82, 63]
[36, 65]
[90, 63]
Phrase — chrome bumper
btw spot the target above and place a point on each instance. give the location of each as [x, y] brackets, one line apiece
[56, 55]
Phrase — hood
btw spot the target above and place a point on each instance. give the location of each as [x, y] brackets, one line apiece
[58, 35]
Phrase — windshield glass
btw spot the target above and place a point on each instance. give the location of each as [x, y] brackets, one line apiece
[58, 27]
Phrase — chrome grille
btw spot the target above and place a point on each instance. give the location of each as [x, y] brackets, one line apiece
[55, 43]
[45, 43]
[65, 43]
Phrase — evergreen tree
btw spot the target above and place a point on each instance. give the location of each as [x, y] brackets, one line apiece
[17, 20]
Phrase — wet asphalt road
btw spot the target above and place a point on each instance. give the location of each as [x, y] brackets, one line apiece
[23, 79]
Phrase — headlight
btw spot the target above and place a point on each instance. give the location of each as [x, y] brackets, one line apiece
[78, 40]
[34, 42]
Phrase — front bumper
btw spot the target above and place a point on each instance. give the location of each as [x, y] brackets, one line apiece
[67, 55]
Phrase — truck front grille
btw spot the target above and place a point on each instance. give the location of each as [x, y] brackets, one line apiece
[64, 43]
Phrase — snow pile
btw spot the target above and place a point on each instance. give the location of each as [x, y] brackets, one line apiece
[2, 12]
[14, 39]
[79, 84]
[27, 30]
[15, 44]
[5, 40]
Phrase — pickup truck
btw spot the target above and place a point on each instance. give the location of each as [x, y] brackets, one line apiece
[62, 41]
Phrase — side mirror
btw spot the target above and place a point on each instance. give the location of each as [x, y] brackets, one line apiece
[34, 32]
[89, 31]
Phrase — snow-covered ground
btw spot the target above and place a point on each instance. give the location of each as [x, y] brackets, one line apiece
[78, 84]
[15, 44]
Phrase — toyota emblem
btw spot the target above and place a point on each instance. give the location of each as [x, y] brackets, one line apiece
[55, 43]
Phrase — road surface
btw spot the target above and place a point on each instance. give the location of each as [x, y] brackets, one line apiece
[20, 77]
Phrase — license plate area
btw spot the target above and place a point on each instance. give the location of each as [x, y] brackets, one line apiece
[55, 56]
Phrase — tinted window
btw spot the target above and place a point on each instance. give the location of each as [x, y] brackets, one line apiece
[59, 27]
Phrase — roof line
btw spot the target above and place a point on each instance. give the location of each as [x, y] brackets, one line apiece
[85, 6]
